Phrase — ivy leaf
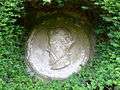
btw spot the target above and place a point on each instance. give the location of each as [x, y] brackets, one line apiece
[47, 1]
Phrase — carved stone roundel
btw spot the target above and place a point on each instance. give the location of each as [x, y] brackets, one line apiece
[57, 53]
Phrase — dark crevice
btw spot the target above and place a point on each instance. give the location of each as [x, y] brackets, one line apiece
[32, 7]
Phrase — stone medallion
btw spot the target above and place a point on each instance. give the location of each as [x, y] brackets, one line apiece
[58, 52]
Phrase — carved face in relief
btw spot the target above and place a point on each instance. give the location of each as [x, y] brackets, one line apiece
[60, 42]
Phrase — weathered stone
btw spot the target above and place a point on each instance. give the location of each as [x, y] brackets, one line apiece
[58, 52]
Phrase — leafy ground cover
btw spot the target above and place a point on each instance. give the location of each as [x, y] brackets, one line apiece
[101, 73]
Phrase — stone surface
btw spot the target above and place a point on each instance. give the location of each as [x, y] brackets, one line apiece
[59, 52]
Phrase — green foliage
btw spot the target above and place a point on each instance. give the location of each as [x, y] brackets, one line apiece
[47, 1]
[100, 72]
[113, 7]
[56, 2]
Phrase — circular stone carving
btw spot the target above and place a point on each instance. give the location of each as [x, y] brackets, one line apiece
[57, 52]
